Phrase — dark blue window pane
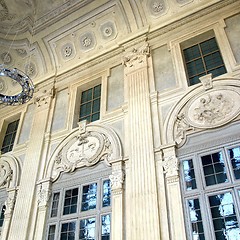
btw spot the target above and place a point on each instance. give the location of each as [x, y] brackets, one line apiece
[89, 197]
[87, 229]
[70, 201]
[189, 175]
[106, 201]
[234, 155]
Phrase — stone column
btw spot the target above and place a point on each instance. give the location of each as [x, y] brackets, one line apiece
[117, 178]
[10, 202]
[25, 203]
[175, 207]
[43, 196]
[143, 202]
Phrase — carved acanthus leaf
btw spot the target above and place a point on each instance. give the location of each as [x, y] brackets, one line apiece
[136, 55]
[5, 174]
[170, 166]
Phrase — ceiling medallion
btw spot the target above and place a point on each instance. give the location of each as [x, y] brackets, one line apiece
[25, 82]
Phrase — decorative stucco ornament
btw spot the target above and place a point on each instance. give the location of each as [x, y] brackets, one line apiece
[5, 174]
[213, 108]
[85, 149]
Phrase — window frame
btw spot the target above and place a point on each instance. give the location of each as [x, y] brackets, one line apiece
[98, 212]
[4, 127]
[203, 192]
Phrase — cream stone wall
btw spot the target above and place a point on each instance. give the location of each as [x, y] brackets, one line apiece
[148, 113]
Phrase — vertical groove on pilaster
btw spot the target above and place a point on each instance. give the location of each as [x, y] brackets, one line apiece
[145, 220]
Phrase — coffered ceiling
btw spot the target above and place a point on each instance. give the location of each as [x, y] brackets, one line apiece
[48, 37]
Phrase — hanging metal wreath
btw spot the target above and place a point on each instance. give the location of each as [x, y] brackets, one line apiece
[25, 82]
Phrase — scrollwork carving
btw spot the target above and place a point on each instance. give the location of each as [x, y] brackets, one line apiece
[85, 149]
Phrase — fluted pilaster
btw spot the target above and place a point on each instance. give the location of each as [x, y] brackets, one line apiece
[143, 202]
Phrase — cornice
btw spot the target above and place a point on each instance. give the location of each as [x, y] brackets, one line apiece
[187, 19]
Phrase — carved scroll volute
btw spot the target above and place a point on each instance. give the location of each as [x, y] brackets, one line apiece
[117, 178]
[170, 165]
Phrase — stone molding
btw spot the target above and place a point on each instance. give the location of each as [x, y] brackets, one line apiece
[209, 105]
[86, 146]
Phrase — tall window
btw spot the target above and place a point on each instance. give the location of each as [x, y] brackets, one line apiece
[81, 212]
[211, 183]
[90, 104]
[10, 135]
[203, 58]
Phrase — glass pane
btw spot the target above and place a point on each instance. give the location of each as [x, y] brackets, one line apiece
[196, 219]
[87, 229]
[218, 71]
[70, 201]
[51, 232]
[213, 60]
[96, 105]
[224, 216]
[191, 53]
[86, 96]
[97, 91]
[85, 109]
[209, 46]
[234, 155]
[55, 202]
[189, 175]
[68, 231]
[89, 197]
[214, 169]
[106, 226]
[2, 215]
[95, 117]
[106, 201]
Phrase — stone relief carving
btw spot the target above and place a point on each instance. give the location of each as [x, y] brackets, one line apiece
[213, 108]
[21, 52]
[108, 30]
[6, 58]
[170, 166]
[10, 203]
[87, 41]
[67, 51]
[157, 8]
[116, 178]
[4, 12]
[85, 149]
[136, 56]
[5, 174]
[3, 86]
[43, 196]
[30, 69]
[43, 98]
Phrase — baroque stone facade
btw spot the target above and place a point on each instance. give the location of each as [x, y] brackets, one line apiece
[123, 64]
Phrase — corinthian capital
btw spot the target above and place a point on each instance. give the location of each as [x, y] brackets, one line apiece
[137, 55]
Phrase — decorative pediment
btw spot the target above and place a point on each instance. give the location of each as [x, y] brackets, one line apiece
[86, 146]
[210, 105]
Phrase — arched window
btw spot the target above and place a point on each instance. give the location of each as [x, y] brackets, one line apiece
[80, 205]
[211, 190]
